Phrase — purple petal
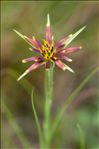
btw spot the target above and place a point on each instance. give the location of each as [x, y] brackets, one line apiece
[63, 56]
[63, 66]
[48, 30]
[34, 50]
[67, 58]
[34, 42]
[34, 58]
[34, 66]
[60, 64]
[70, 50]
[60, 44]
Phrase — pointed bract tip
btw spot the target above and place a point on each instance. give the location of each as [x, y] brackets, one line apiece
[33, 37]
[18, 33]
[23, 61]
[80, 47]
[30, 49]
[68, 68]
[71, 70]
[48, 20]
[85, 26]
[70, 60]
[24, 74]
[52, 37]
[15, 31]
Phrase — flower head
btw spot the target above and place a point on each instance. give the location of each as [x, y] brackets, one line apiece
[49, 52]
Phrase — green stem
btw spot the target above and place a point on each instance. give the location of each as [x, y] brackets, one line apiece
[48, 103]
[82, 137]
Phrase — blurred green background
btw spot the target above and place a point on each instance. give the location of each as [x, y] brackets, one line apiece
[29, 18]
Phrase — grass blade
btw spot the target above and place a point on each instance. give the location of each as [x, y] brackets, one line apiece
[37, 121]
[70, 99]
[82, 139]
[16, 127]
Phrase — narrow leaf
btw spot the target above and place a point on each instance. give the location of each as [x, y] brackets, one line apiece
[37, 121]
[70, 99]
[15, 126]
[81, 135]
[73, 36]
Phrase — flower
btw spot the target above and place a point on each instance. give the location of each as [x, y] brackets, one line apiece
[49, 52]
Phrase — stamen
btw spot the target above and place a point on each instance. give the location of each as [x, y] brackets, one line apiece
[48, 49]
